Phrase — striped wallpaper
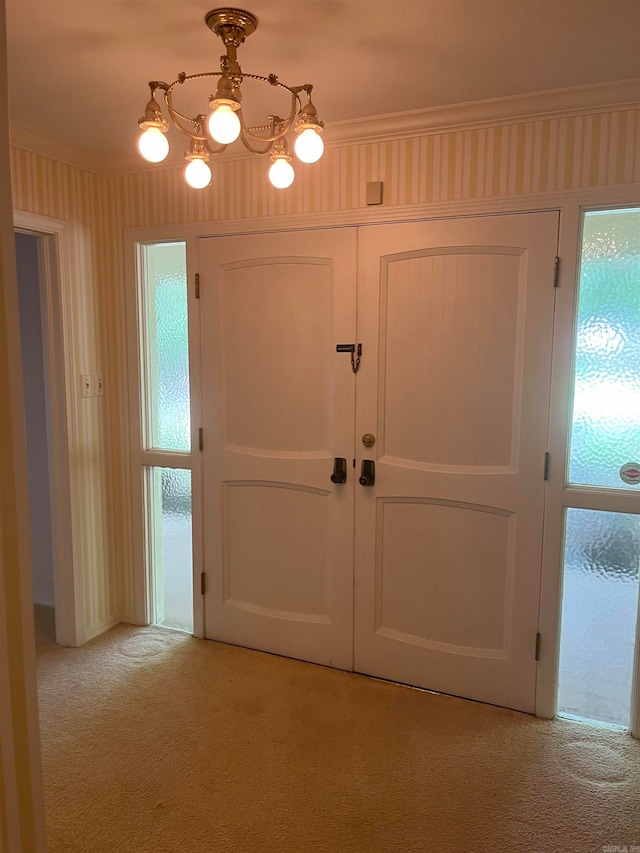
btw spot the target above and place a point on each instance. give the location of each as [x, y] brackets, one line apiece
[537, 156]
[60, 191]
[550, 155]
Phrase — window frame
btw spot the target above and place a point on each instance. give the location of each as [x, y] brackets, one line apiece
[560, 494]
[143, 458]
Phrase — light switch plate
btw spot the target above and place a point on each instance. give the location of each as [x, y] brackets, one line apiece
[86, 386]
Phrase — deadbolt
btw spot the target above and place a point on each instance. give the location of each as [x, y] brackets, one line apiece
[339, 470]
[368, 439]
[368, 472]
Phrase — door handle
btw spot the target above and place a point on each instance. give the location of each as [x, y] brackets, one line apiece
[339, 470]
[368, 472]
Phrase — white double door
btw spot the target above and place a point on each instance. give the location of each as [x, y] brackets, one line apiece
[431, 575]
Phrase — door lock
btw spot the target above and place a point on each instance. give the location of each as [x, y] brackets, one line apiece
[356, 353]
[368, 472]
[339, 470]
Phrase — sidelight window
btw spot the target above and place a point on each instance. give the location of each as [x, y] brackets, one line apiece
[602, 547]
[166, 433]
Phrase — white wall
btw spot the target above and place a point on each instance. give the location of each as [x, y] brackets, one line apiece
[35, 418]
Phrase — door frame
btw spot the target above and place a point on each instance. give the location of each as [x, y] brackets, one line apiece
[55, 302]
[569, 204]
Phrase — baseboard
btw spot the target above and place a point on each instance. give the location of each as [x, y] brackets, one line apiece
[130, 619]
[102, 628]
[44, 623]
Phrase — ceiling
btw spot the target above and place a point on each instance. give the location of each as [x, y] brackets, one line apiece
[78, 69]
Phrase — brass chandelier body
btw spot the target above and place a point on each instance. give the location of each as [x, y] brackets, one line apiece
[209, 137]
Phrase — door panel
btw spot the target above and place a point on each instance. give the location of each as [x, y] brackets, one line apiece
[448, 393]
[278, 407]
[279, 403]
[279, 548]
[455, 318]
[417, 545]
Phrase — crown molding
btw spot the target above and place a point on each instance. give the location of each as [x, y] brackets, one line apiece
[555, 103]
[49, 146]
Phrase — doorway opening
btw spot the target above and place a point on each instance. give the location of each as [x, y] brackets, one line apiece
[29, 270]
[45, 280]
[598, 648]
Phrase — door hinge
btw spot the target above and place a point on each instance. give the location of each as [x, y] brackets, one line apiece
[197, 285]
[200, 439]
[202, 583]
[556, 271]
[538, 638]
[547, 460]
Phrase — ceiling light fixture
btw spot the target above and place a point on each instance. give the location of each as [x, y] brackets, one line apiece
[226, 123]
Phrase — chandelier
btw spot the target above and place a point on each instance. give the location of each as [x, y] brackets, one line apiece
[225, 123]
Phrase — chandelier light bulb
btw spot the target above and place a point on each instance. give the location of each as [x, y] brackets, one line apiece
[224, 125]
[281, 173]
[197, 174]
[309, 146]
[153, 145]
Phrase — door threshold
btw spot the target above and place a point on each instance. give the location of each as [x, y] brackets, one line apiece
[598, 724]
[445, 695]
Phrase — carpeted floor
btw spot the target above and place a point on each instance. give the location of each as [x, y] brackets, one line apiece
[154, 741]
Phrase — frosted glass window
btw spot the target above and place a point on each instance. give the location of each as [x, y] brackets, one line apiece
[170, 546]
[599, 613]
[167, 415]
[605, 433]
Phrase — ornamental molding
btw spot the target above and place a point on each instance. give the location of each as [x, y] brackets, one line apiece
[514, 109]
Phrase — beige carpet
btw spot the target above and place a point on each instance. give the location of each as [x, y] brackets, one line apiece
[154, 741]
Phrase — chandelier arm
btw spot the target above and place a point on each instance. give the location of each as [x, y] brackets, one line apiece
[253, 150]
[176, 114]
[245, 141]
[154, 85]
[192, 134]
[177, 119]
[210, 148]
[278, 128]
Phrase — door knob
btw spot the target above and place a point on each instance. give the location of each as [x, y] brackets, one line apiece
[368, 472]
[339, 470]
